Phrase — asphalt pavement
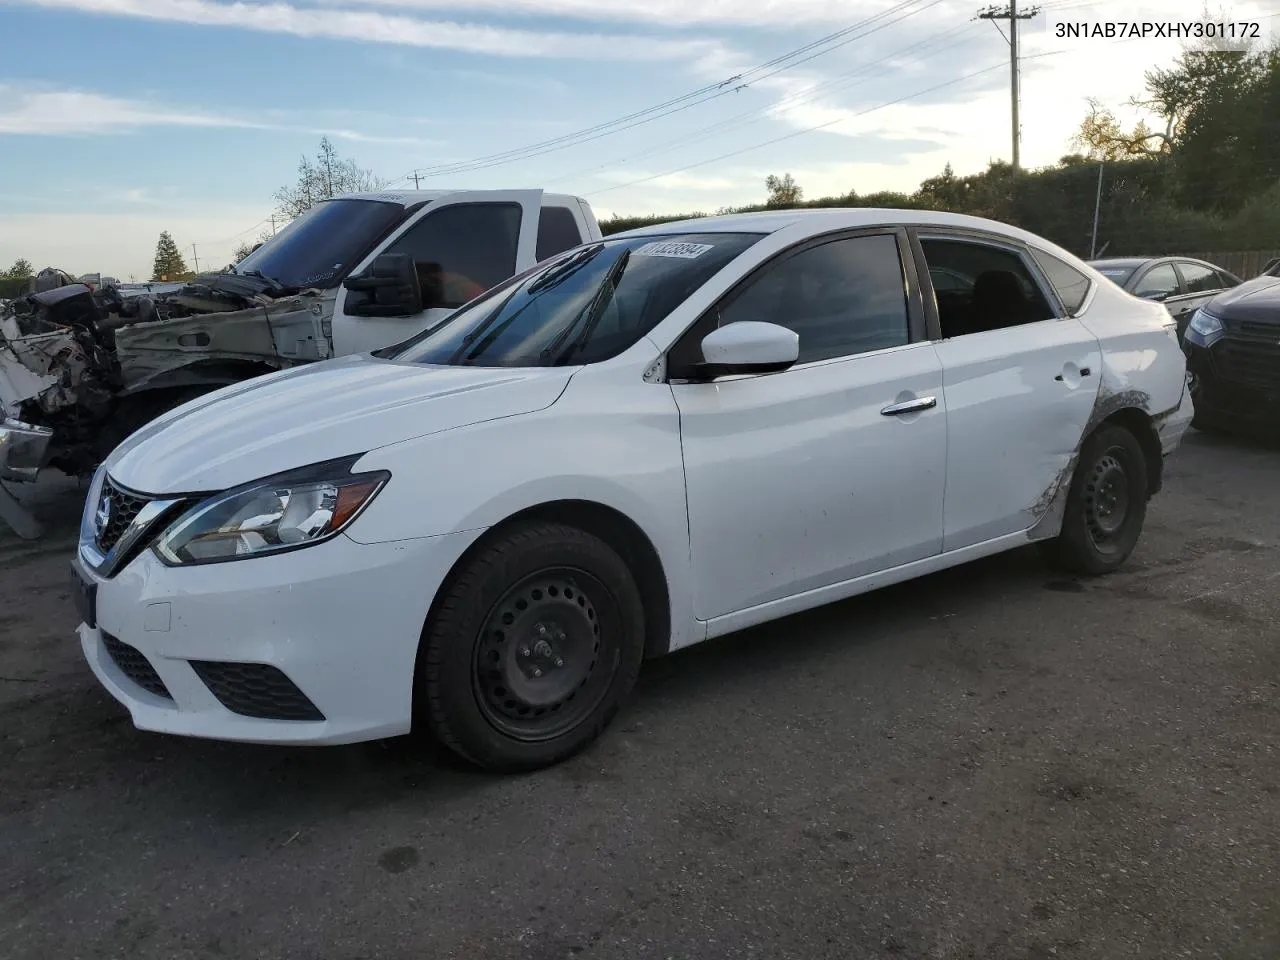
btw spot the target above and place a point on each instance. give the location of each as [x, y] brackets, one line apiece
[993, 762]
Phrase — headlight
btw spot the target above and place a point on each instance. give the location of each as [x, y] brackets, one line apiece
[1204, 330]
[285, 512]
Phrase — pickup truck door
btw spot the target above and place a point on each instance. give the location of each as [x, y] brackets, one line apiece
[471, 240]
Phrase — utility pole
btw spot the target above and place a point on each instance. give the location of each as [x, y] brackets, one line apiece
[1013, 15]
[415, 178]
[1097, 206]
[195, 256]
[273, 224]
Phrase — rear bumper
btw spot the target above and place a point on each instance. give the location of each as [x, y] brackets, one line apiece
[1172, 427]
[22, 449]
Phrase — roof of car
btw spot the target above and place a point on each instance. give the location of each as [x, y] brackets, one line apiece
[829, 218]
[417, 196]
[1122, 262]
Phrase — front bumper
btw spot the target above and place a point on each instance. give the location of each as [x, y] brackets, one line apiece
[340, 622]
[22, 449]
[1227, 401]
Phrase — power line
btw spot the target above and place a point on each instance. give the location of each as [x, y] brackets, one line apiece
[737, 82]
[797, 133]
[795, 99]
[829, 123]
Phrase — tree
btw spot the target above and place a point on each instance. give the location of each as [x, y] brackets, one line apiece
[328, 175]
[169, 263]
[242, 251]
[783, 191]
[21, 270]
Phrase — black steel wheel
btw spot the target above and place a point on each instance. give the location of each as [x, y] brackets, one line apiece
[1106, 504]
[1108, 496]
[542, 662]
[531, 647]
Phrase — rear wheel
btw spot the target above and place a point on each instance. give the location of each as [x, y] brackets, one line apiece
[531, 649]
[1106, 504]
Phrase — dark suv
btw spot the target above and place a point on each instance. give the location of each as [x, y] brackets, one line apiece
[1232, 345]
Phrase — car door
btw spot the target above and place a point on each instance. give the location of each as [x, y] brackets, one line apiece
[461, 246]
[833, 468]
[1020, 379]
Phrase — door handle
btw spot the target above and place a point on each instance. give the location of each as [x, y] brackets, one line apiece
[910, 406]
[1084, 372]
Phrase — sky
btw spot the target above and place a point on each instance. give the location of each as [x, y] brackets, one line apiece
[122, 118]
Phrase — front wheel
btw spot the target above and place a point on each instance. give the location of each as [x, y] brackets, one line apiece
[1106, 505]
[531, 649]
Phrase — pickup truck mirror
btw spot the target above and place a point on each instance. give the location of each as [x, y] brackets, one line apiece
[389, 288]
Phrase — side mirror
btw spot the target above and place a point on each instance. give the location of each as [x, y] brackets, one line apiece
[389, 288]
[747, 347]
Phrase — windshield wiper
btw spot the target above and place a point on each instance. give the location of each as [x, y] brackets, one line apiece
[558, 275]
[592, 314]
[262, 276]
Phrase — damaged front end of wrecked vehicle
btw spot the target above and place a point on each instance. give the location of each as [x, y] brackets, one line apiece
[82, 369]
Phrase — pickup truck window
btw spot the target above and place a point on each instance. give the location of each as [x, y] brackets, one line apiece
[557, 232]
[462, 250]
[583, 307]
[319, 248]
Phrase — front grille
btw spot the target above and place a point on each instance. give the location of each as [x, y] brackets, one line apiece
[116, 509]
[1246, 362]
[256, 690]
[1259, 328]
[134, 665]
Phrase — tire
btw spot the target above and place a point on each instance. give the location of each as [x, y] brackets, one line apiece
[531, 648]
[1106, 504]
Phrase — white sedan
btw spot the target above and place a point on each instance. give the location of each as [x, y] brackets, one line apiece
[643, 443]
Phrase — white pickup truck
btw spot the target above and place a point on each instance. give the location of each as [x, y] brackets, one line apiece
[81, 369]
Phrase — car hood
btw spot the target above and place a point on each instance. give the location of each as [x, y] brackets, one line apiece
[319, 412]
[1256, 299]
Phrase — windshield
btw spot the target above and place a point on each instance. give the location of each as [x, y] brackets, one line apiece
[583, 307]
[321, 246]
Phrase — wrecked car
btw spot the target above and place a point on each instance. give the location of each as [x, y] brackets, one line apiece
[662, 437]
[82, 368]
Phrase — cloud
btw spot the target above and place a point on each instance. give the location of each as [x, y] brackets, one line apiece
[662, 12]
[673, 181]
[371, 26]
[54, 113]
[51, 113]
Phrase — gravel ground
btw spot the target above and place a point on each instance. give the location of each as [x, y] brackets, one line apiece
[994, 762]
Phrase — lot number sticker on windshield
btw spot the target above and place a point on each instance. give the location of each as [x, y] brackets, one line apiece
[673, 248]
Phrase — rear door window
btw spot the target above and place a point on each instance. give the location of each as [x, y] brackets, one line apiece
[557, 232]
[1199, 278]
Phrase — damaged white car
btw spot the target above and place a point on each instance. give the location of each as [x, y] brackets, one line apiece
[82, 368]
[652, 440]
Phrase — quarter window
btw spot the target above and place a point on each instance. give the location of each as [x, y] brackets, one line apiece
[461, 251]
[1071, 285]
[842, 297]
[1159, 283]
